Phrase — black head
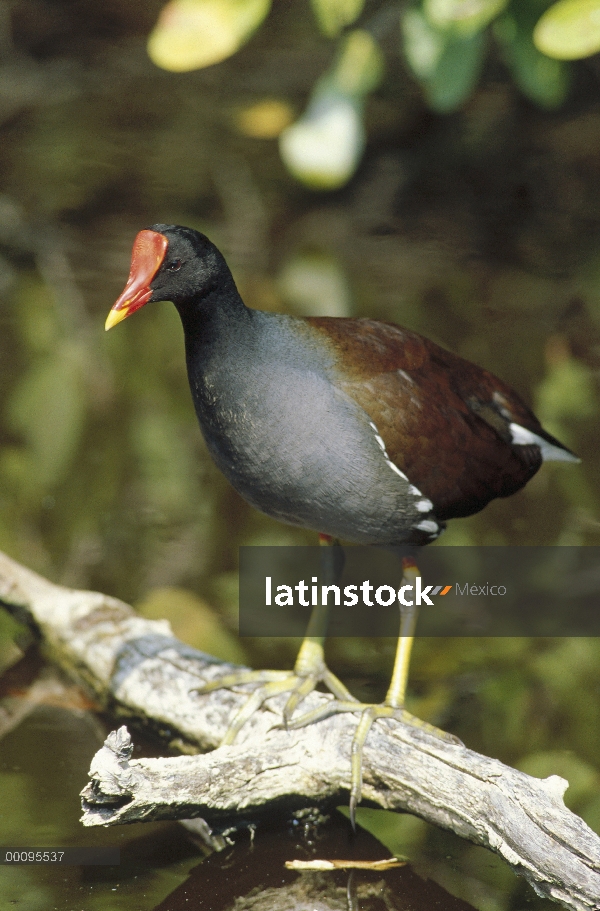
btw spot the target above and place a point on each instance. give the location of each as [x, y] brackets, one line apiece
[170, 262]
[192, 266]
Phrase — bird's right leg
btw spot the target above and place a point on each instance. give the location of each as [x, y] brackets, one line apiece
[309, 669]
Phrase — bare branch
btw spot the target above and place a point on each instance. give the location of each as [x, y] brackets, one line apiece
[139, 670]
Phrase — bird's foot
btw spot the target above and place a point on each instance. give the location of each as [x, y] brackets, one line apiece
[369, 714]
[309, 671]
[271, 683]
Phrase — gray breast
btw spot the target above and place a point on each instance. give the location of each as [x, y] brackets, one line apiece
[300, 449]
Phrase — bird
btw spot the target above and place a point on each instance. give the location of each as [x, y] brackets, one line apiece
[358, 429]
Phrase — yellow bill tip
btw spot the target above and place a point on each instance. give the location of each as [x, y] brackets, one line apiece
[114, 317]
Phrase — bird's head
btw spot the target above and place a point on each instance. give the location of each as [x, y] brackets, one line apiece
[168, 262]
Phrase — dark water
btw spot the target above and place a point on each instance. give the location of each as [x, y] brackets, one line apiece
[480, 230]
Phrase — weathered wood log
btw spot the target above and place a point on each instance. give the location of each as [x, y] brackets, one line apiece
[136, 669]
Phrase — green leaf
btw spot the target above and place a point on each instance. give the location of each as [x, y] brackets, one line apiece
[191, 34]
[463, 17]
[569, 30]
[322, 149]
[334, 15]
[456, 73]
[543, 80]
[423, 44]
[48, 409]
[358, 68]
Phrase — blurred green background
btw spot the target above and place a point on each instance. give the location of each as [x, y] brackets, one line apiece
[466, 206]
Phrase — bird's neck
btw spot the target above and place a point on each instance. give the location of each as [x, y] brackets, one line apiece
[220, 314]
[219, 331]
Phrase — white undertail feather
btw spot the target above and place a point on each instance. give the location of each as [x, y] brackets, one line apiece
[428, 526]
[550, 453]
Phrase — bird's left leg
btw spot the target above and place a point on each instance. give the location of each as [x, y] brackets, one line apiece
[393, 704]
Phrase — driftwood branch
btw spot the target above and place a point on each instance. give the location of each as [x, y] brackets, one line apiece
[136, 669]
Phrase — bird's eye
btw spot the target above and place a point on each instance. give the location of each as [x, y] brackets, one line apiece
[174, 265]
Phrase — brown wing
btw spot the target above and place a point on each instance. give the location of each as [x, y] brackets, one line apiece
[444, 421]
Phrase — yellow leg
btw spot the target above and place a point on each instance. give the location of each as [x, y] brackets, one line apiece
[309, 669]
[408, 623]
[393, 704]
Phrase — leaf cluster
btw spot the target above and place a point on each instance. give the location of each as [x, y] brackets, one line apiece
[444, 45]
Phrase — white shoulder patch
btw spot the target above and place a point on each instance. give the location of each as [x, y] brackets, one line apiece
[550, 453]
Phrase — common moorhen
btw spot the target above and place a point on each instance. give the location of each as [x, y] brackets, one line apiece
[355, 428]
